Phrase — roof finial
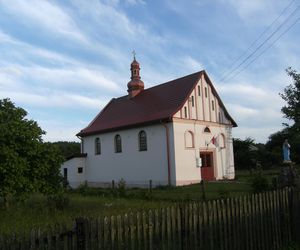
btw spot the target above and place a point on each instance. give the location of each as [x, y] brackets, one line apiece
[133, 52]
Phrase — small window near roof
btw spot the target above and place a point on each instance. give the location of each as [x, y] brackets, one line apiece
[199, 93]
[118, 144]
[97, 146]
[185, 112]
[80, 170]
[213, 105]
[205, 91]
[193, 101]
[207, 130]
[142, 141]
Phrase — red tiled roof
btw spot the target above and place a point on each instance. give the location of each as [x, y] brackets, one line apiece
[152, 105]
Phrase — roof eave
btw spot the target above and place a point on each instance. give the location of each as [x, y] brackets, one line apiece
[156, 121]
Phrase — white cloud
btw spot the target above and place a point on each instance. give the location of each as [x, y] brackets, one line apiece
[260, 134]
[44, 14]
[242, 112]
[134, 2]
[191, 64]
[58, 99]
[254, 11]
[59, 130]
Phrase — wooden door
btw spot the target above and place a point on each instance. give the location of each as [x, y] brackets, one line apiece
[207, 169]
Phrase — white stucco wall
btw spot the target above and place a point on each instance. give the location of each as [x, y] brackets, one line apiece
[185, 158]
[134, 166]
[74, 178]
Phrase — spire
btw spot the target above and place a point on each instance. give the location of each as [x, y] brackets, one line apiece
[136, 85]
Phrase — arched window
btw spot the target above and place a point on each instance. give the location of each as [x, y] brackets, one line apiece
[118, 144]
[222, 143]
[189, 139]
[142, 141]
[207, 130]
[97, 146]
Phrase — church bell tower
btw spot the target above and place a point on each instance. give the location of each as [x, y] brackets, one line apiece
[136, 85]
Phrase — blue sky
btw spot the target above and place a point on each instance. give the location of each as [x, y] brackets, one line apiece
[64, 60]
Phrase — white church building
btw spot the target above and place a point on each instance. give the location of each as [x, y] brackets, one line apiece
[175, 133]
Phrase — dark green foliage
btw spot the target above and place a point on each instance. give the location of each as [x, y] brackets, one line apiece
[67, 148]
[258, 181]
[248, 154]
[27, 164]
[122, 188]
[291, 94]
[58, 201]
[243, 155]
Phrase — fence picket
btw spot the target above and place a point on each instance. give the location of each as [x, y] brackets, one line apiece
[139, 231]
[120, 229]
[133, 232]
[179, 227]
[145, 230]
[126, 231]
[151, 227]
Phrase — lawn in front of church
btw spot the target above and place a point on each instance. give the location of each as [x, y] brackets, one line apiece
[94, 202]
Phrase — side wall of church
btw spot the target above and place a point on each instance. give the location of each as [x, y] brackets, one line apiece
[136, 167]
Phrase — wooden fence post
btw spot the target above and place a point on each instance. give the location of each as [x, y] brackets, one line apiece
[295, 217]
[80, 233]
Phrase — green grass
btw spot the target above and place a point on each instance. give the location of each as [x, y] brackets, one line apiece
[94, 202]
[35, 214]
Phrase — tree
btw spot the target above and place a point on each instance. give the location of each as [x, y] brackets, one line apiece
[291, 111]
[248, 154]
[291, 94]
[243, 155]
[68, 148]
[27, 164]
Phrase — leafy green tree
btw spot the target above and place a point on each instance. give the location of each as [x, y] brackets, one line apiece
[291, 94]
[243, 153]
[27, 164]
[68, 148]
[248, 154]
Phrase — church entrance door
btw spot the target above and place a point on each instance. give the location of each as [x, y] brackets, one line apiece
[207, 169]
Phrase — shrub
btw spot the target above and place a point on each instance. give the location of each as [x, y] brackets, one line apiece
[122, 188]
[258, 182]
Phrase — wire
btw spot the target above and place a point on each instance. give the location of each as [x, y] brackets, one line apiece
[223, 74]
[292, 25]
[262, 44]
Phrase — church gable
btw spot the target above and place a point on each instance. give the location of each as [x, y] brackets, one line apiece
[204, 104]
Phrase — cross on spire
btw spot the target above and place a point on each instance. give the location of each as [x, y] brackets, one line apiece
[134, 54]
